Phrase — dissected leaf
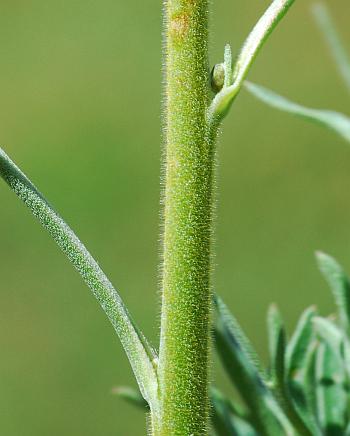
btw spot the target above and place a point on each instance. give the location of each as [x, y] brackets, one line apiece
[141, 355]
[236, 356]
[336, 47]
[339, 284]
[335, 121]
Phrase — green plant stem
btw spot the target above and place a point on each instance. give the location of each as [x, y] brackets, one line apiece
[184, 345]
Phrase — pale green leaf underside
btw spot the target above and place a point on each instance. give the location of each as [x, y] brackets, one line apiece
[335, 121]
[141, 356]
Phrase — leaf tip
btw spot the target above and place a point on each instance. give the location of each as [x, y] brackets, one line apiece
[327, 264]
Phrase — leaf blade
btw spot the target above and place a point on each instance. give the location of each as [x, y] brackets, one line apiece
[297, 358]
[258, 36]
[296, 350]
[339, 284]
[277, 345]
[140, 354]
[250, 49]
[239, 361]
[330, 395]
[335, 121]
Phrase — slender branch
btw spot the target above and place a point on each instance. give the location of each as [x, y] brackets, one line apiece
[183, 357]
[256, 39]
[141, 356]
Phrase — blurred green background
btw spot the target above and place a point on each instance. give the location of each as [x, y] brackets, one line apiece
[80, 89]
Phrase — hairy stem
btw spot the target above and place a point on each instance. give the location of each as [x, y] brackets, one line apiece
[183, 364]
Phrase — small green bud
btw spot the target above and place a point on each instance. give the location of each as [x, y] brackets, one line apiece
[217, 77]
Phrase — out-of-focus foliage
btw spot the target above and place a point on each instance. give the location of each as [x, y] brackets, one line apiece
[307, 379]
[305, 388]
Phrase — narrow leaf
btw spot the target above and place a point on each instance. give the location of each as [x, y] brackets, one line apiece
[337, 341]
[309, 408]
[339, 284]
[329, 333]
[256, 39]
[141, 356]
[297, 357]
[236, 355]
[277, 345]
[296, 354]
[336, 47]
[228, 321]
[335, 121]
[258, 36]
